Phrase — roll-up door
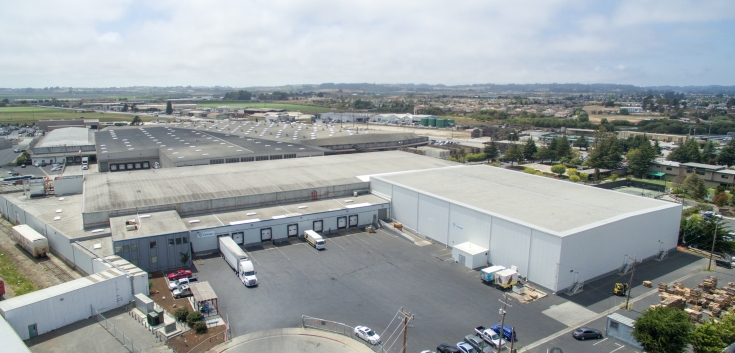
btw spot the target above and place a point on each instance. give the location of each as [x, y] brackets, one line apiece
[238, 238]
[293, 230]
[341, 222]
[265, 234]
[353, 220]
[318, 226]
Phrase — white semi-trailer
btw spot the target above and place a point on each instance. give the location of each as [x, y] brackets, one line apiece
[30, 240]
[238, 260]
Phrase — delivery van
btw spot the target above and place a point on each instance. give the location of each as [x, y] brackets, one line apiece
[314, 239]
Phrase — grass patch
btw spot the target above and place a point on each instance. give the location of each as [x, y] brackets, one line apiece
[31, 115]
[13, 278]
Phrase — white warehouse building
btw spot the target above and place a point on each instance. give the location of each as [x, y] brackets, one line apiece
[556, 233]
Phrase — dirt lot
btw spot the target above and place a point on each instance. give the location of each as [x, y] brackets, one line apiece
[431, 133]
[159, 291]
[190, 339]
[595, 118]
[24, 273]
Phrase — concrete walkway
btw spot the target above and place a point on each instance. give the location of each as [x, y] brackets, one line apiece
[293, 340]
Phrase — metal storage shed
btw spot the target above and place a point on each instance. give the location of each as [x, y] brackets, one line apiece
[470, 255]
[621, 328]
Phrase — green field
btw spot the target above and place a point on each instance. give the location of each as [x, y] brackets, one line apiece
[31, 115]
[272, 105]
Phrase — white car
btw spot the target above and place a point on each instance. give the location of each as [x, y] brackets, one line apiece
[366, 334]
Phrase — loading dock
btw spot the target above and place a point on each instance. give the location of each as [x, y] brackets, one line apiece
[341, 222]
[293, 230]
[266, 234]
[353, 220]
[238, 238]
[318, 226]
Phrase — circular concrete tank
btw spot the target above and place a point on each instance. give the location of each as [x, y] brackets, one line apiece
[292, 340]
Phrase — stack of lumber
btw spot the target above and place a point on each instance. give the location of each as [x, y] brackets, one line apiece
[709, 283]
[674, 301]
[694, 315]
[648, 284]
[663, 287]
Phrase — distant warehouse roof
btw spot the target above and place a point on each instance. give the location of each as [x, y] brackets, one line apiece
[68, 136]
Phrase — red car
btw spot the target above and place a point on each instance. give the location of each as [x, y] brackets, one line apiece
[179, 274]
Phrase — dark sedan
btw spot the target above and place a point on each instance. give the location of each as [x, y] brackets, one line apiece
[583, 333]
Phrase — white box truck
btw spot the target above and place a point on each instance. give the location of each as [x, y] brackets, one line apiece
[30, 240]
[238, 260]
[85, 163]
[314, 239]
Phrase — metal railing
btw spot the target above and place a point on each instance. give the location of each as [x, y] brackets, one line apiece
[326, 325]
[119, 335]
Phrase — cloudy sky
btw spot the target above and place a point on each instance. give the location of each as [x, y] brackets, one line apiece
[275, 42]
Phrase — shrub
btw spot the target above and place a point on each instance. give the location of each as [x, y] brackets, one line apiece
[720, 199]
[181, 314]
[574, 178]
[193, 318]
[475, 157]
[529, 170]
[689, 211]
[614, 177]
[200, 327]
[677, 190]
[572, 171]
[496, 164]
[558, 169]
[539, 173]
[584, 176]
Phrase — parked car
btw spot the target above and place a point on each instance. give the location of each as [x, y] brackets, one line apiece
[479, 344]
[464, 347]
[555, 350]
[507, 332]
[710, 215]
[179, 274]
[445, 348]
[16, 150]
[367, 335]
[179, 282]
[22, 165]
[583, 333]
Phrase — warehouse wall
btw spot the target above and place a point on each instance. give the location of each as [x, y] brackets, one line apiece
[468, 225]
[205, 240]
[601, 249]
[78, 297]
[381, 187]
[510, 245]
[405, 207]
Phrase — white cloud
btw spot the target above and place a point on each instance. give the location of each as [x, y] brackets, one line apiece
[243, 43]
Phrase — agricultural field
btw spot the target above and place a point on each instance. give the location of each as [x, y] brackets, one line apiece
[31, 115]
[596, 118]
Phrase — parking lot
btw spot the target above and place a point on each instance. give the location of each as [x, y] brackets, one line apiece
[364, 279]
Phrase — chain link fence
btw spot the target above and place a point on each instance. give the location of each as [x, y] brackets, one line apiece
[119, 335]
[326, 325]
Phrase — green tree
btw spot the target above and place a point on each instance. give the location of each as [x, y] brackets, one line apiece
[514, 153]
[608, 154]
[727, 154]
[583, 117]
[563, 149]
[663, 330]
[572, 171]
[529, 149]
[181, 314]
[575, 178]
[491, 150]
[614, 177]
[695, 187]
[581, 142]
[639, 159]
[125, 107]
[169, 108]
[709, 153]
[720, 199]
[136, 121]
[657, 147]
[687, 152]
[707, 338]
[558, 169]
[697, 232]
[545, 153]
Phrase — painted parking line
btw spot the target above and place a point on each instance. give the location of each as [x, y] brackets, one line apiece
[619, 348]
[335, 243]
[250, 255]
[284, 255]
[600, 341]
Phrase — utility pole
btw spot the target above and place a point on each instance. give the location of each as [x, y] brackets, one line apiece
[502, 320]
[711, 253]
[407, 316]
[630, 283]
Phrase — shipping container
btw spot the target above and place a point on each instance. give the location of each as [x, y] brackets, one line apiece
[30, 240]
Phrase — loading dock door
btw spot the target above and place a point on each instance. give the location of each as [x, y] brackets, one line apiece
[353, 220]
[238, 238]
[341, 222]
[265, 234]
[318, 226]
[293, 230]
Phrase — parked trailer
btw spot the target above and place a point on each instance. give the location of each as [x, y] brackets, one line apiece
[30, 240]
[488, 274]
[506, 278]
[238, 260]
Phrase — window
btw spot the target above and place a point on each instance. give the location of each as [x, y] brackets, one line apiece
[286, 156]
[614, 325]
[118, 249]
[261, 158]
[178, 241]
[276, 156]
[153, 245]
[170, 242]
[154, 259]
[668, 168]
[186, 240]
[216, 161]
[232, 160]
[134, 262]
[247, 159]
[699, 172]
[723, 176]
[126, 248]
[134, 247]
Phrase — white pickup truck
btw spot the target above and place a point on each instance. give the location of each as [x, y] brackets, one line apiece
[179, 282]
[489, 336]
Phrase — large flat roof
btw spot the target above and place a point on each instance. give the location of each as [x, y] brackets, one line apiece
[68, 136]
[145, 188]
[186, 142]
[554, 206]
[148, 224]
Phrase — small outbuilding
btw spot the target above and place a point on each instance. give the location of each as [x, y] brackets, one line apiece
[621, 328]
[470, 255]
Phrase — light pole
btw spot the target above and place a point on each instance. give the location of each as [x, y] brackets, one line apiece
[711, 253]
